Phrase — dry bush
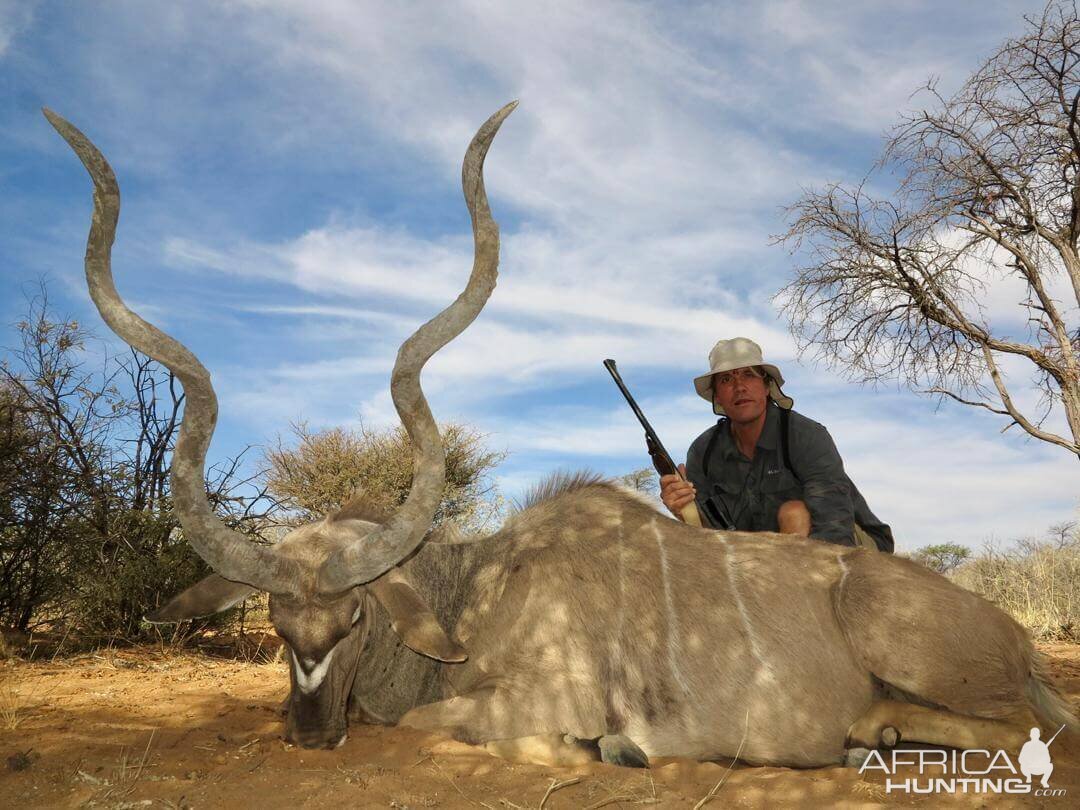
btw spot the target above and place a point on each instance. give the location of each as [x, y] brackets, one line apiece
[326, 469]
[1037, 582]
[88, 538]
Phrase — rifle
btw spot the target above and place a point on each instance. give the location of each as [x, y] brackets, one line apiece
[703, 511]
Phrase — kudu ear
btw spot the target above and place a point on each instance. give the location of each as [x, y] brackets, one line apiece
[211, 595]
[413, 620]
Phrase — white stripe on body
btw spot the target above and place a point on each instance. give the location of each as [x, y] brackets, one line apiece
[622, 587]
[762, 670]
[843, 576]
[674, 642]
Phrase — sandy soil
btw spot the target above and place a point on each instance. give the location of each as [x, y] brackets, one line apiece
[146, 728]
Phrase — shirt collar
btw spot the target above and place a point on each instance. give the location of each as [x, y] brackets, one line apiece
[770, 433]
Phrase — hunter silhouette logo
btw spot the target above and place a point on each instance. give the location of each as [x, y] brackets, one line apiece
[1034, 757]
[968, 771]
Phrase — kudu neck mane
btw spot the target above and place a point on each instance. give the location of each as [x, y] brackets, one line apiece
[391, 678]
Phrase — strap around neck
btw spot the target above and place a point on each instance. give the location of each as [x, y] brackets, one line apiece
[712, 445]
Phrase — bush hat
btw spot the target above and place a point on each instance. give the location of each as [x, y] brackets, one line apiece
[740, 352]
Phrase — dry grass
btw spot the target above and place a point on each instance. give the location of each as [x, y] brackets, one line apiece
[637, 790]
[17, 703]
[554, 786]
[1038, 583]
[257, 643]
[124, 776]
[12, 708]
[708, 797]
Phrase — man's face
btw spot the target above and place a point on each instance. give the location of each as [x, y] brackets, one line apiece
[742, 393]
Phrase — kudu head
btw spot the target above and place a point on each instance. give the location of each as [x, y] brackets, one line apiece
[322, 578]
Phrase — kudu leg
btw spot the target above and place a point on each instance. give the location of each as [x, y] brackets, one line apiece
[556, 749]
[490, 719]
[465, 717]
[887, 722]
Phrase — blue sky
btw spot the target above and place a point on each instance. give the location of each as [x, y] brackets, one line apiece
[292, 210]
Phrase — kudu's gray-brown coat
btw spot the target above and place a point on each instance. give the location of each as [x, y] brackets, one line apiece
[590, 622]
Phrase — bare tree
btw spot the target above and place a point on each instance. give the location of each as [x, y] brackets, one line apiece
[644, 480]
[1064, 534]
[87, 529]
[988, 197]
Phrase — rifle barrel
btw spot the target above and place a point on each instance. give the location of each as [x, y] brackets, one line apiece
[614, 372]
[1055, 735]
[695, 513]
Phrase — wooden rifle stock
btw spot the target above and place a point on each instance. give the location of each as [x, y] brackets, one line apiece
[666, 466]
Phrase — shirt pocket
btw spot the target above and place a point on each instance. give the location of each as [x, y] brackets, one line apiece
[779, 484]
[725, 489]
[728, 495]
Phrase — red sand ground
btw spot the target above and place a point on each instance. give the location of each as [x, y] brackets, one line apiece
[144, 728]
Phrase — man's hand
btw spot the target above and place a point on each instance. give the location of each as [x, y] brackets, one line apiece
[676, 492]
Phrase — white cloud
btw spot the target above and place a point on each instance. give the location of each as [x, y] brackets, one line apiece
[557, 305]
[609, 431]
[620, 119]
[953, 482]
[859, 65]
[368, 317]
[637, 186]
[15, 17]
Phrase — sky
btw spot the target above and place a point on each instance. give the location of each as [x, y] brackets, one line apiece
[290, 176]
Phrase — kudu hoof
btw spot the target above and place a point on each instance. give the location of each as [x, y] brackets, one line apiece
[615, 749]
[855, 757]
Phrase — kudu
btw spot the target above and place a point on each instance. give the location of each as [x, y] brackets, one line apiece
[593, 622]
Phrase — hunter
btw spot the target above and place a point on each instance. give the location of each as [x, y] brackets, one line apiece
[771, 468]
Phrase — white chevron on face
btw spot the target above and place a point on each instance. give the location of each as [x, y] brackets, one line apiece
[311, 674]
